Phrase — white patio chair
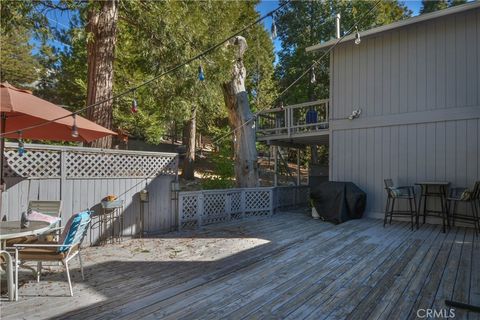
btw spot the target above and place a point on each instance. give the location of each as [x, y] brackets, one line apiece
[67, 247]
[8, 262]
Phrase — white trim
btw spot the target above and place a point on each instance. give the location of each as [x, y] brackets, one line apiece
[435, 115]
[93, 150]
[399, 24]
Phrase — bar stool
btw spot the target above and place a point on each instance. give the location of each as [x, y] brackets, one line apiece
[399, 193]
[464, 195]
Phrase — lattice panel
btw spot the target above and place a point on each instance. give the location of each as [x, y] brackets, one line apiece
[189, 224]
[46, 163]
[214, 219]
[189, 207]
[224, 205]
[215, 208]
[84, 164]
[33, 164]
[214, 205]
[257, 200]
[235, 202]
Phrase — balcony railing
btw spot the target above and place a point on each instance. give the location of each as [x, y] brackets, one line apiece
[294, 120]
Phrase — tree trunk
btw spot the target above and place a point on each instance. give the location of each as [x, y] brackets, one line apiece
[101, 53]
[238, 107]
[188, 169]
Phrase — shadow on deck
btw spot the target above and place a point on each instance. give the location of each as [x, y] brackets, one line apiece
[287, 266]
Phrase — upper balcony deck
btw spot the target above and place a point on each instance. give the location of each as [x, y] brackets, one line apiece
[305, 123]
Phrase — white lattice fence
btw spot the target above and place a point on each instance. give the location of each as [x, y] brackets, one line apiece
[35, 163]
[196, 208]
[79, 163]
[82, 177]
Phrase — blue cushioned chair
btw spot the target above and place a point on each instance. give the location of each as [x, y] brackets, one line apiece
[67, 247]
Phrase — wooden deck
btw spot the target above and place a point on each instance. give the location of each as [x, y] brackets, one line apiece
[288, 266]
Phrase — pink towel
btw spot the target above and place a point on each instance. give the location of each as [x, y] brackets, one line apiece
[38, 216]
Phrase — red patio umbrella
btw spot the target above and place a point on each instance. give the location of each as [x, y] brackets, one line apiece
[20, 109]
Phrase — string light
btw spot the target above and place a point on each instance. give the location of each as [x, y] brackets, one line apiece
[302, 75]
[166, 72]
[74, 126]
[21, 144]
[134, 104]
[273, 29]
[201, 75]
[312, 77]
[357, 36]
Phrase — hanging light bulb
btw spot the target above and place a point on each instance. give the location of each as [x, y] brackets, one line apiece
[74, 126]
[21, 144]
[134, 104]
[357, 37]
[201, 75]
[273, 29]
[312, 77]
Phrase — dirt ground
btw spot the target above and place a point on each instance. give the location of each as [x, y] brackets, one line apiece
[205, 168]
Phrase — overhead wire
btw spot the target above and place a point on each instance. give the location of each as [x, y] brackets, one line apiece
[166, 72]
[303, 74]
[216, 141]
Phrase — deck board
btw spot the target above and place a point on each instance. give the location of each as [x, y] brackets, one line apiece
[286, 266]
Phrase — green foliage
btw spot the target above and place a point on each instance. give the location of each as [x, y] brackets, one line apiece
[154, 36]
[305, 23]
[434, 5]
[223, 177]
[18, 66]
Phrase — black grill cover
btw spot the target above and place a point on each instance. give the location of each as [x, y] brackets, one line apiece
[338, 201]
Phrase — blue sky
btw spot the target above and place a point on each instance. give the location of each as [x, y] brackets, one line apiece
[61, 19]
[266, 6]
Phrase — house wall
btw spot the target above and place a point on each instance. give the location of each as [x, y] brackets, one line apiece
[419, 91]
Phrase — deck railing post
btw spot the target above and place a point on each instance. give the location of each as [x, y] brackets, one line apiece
[63, 174]
[180, 211]
[200, 208]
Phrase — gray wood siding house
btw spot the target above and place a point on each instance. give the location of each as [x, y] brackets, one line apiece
[417, 83]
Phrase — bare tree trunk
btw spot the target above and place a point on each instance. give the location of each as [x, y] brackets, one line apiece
[188, 169]
[239, 113]
[102, 26]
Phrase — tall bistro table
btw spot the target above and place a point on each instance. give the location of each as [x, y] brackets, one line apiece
[434, 189]
[11, 229]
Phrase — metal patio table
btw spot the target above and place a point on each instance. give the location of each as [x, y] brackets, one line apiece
[12, 229]
[434, 189]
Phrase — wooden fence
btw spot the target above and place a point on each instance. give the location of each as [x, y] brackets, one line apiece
[196, 208]
[81, 177]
